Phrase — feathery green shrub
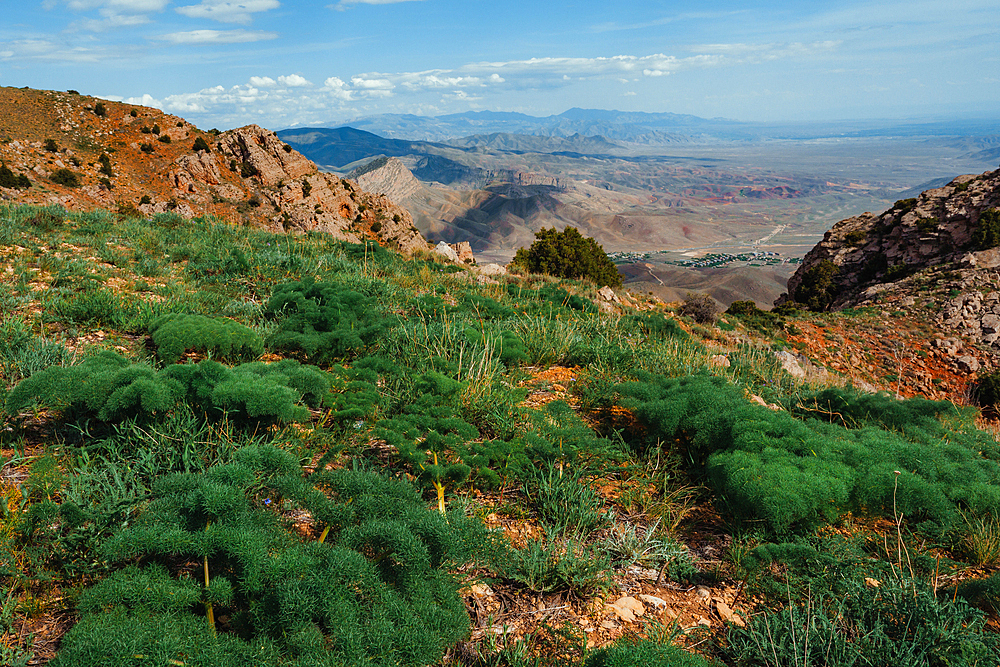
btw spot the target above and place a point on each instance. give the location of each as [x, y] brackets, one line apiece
[632, 651]
[374, 588]
[108, 387]
[798, 474]
[427, 430]
[323, 322]
[251, 393]
[175, 334]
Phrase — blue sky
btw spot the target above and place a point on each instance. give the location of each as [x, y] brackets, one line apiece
[280, 63]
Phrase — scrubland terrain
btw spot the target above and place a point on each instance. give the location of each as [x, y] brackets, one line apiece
[227, 446]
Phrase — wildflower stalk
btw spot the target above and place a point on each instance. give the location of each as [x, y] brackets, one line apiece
[438, 486]
[209, 611]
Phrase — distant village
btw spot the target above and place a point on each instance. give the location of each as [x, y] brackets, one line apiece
[711, 260]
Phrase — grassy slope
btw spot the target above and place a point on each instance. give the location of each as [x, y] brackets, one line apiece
[653, 513]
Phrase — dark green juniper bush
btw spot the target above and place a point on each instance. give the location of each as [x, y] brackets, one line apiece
[568, 254]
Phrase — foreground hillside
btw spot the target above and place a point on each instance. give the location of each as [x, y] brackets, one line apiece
[81, 152]
[224, 445]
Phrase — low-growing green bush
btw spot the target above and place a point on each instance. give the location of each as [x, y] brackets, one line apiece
[105, 161]
[796, 474]
[372, 588]
[755, 318]
[201, 145]
[108, 387]
[65, 177]
[175, 334]
[8, 179]
[987, 231]
[699, 307]
[817, 289]
[323, 322]
[986, 392]
[982, 592]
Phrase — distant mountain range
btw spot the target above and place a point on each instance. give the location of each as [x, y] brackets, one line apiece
[653, 128]
[339, 149]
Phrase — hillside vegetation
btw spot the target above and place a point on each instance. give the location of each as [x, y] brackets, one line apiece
[228, 446]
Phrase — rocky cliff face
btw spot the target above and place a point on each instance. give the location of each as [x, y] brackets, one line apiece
[924, 254]
[139, 160]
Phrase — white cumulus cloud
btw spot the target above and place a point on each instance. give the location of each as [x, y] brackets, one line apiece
[118, 6]
[294, 81]
[336, 87]
[113, 13]
[145, 100]
[228, 12]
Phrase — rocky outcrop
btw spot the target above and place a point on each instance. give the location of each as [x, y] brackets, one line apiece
[303, 199]
[388, 176]
[136, 159]
[919, 256]
[261, 153]
[460, 253]
[871, 252]
[976, 316]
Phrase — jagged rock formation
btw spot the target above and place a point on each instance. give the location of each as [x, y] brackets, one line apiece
[136, 159]
[870, 250]
[923, 253]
